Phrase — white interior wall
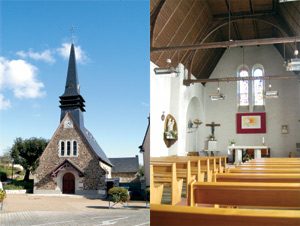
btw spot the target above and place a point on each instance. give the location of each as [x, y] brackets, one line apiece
[282, 111]
[168, 95]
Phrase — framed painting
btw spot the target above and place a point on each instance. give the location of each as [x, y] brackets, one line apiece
[251, 122]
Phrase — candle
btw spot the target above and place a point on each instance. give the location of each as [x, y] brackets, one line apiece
[263, 140]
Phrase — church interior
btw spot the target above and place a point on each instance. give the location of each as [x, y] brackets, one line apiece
[225, 112]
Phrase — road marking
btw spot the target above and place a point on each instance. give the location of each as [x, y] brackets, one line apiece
[111, 222]
[146, 223]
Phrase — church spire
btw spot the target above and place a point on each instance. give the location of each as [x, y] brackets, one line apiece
[71, 101]
[72, 84]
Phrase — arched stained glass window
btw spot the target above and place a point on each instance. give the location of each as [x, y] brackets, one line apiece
[258, 85]
[243, 86]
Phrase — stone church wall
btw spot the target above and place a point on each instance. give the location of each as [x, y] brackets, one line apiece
[94, 175]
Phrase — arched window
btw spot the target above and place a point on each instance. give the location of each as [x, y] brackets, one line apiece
[62, 148]
[258, 85]
[243, 86]
[74, 148]
[68, 148]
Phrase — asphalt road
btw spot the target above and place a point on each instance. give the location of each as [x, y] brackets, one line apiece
[61, 210]
[99, 216]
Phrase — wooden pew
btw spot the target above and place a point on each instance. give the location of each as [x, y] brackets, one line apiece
[270, 163]
[199, 164]
[284, 195]
[258, 177]
[163, 215]
[183, 169]
[198, 167]
[275, 159]
[156, 192]
[263, 170]
[264, 160]
[283, 166]
[165, 173]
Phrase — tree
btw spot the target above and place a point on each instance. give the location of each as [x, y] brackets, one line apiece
[141, 172]
[26, 153]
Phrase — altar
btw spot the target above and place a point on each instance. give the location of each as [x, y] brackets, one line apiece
[212, 148]
[255, 152]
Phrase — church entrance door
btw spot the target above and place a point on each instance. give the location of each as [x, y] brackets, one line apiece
[68, 183]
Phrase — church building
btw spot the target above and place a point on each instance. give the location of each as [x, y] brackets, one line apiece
[217, 64]
[225, 112]
[73, 162]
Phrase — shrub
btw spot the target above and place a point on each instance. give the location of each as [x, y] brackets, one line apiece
[118, 194]
[3, 176]
[19, 185]
[2, 195]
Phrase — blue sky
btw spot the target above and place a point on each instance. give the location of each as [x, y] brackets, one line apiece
[112, 50]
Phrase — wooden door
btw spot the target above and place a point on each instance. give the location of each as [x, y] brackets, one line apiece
[68, 183]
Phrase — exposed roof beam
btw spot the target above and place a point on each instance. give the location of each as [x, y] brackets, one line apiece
[239, 15]
[228, 44]
[188, 82]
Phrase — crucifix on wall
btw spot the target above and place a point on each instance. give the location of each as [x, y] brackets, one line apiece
[213, 125]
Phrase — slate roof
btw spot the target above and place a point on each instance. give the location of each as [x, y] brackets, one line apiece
[95, 146]
[125, 165]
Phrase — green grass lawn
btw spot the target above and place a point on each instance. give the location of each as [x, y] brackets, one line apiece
[19, 185]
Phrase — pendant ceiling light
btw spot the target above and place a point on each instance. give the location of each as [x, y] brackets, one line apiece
[218, 95]
[271, 93]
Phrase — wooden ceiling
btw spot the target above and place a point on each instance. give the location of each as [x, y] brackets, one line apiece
[187, 22]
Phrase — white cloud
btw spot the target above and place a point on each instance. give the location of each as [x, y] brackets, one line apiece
[45, 56]
[20, 77]
[4, 104]
[64, 51]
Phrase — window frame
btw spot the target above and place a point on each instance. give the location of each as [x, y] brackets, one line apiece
[258, 107]
[241, 106]
[65, 148]
[74, 155]
[62, 149]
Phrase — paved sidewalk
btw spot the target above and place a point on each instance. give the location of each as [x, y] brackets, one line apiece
[73, 210]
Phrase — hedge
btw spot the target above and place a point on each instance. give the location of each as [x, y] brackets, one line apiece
[118, 194]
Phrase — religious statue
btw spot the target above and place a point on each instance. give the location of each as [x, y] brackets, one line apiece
[170, 128]
[170, 125]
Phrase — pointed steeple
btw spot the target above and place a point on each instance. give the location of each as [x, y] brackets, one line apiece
[71, 101]
[72, 84]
